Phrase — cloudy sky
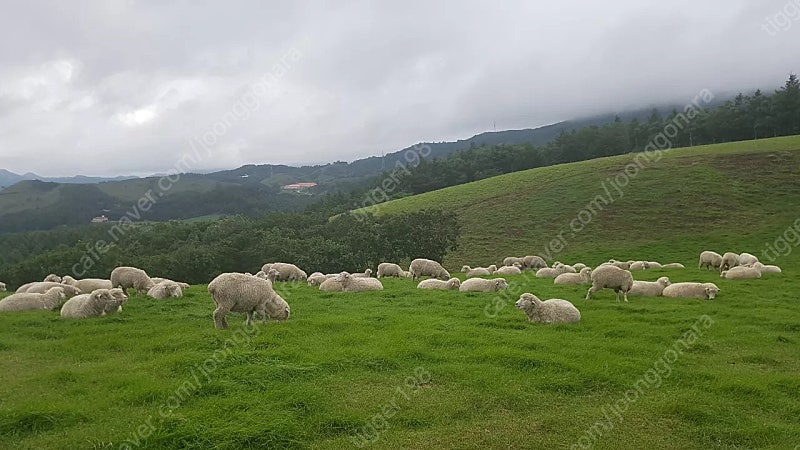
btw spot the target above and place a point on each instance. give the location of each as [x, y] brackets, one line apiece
[112, 87]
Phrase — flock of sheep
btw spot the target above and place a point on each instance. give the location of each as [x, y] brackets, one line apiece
[255, 294]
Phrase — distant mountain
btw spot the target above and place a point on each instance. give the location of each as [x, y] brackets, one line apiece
[8, 178]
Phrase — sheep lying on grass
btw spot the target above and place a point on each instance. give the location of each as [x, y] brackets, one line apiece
[741, 273]
[508, 270]
[624, 265]
[584, 277]
[483, 285]
[706, 291]
[579, 266]
[40, 287]
[317, 278]
[358, 284]
[552, 272]
[87, 284]
[639, 265]
[475, 272]
[183, 285]
[766, 268]
[432, 283]
[421, 267]
[611, 277]
[511, 260]
[649, 288]
[550, 311]
[365, 274]
[710, 260]
[52, 300]
[237, 292]
[164, 290]
[131, 277]
[287, 272]
[53, 278]
[673, 266]
[392, 270]
[332, 284]
[88, 305]
[119, 299]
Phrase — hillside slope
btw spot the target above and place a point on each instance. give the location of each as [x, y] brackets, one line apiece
[590, 209]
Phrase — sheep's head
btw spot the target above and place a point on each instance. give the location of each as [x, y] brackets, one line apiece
[444, 275]
[273, 274]
[664, 281]
[465, 268]
[711, 292]
[500, 284]
[342, 277]
[282, 315]
[53, 278]
[454, 283]
[174, 290]
[70, 291]
[368, 272]
[67, 280]
[527, 301]
[723, 274]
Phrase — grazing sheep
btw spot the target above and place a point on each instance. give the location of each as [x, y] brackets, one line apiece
[53, 278]
[287, 272]
[584, 277]
[483, 285]
[741, 273]
[421, 267]
[639, 265]
[358, 284]
[611, 277]
[706, 291]
[131, 277]
[52, 299]
[673, 266]
[747, 258]
[392, 270]
[432, 283]
[710, 260]
[510, 260]
[650, 288]
[365, 274]
[164, 290]
[552, 272]
[554, 310]
[533, 262]
[476, 272]
[507, 270]
[766, 268]
[87, 284]
[40, 287]
[237, 292]
[729, 261]
[88, 305]
[2, 287]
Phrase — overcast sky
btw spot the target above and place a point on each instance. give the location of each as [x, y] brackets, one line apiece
[125, 87]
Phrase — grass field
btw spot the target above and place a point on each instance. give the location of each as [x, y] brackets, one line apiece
[404, 368]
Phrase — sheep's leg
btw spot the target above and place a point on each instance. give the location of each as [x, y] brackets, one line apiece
[625, 295]
[219, 318]
[589, 294]
[616, 293]
[249, 318]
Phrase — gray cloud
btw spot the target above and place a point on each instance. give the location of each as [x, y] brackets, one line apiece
[118, 87]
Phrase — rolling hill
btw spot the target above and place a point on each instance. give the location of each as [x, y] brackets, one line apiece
[718, 193]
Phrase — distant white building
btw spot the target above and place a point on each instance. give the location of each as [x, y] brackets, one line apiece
[298, 187]
[100, 219]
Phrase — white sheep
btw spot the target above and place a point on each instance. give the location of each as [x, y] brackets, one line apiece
[332, 284]
[511, 260]
[40, 287]
[706, 291]
[87, 284]
[358, 284]
[52, 278]
[766, 268]
[747, 258]
[554, 310]
[2, 287]
[507, 270]
[611, 277]
[422, 267]
[552, 272]
[365, 274]
[579, 266]
[131, 277]
[673, 266]
[655, 264]
[119, 299]
[729, 261]
[164, 290]
[740, 273]
[475, 272]
[392, 270]
[584, 277]
[237, 292]
[52, 300]
[433, 283]
[533, 262]
[639, 265]
[317, 278]
[483, 285]
[624, 265]
[88, 305]
[287, 271]
[183, 285]
[710, 260]
[650, 288]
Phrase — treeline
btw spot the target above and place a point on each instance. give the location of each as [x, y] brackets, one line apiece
[197, 252]
[745, 117]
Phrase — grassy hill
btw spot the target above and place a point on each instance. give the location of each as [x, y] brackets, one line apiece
[690, 199]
